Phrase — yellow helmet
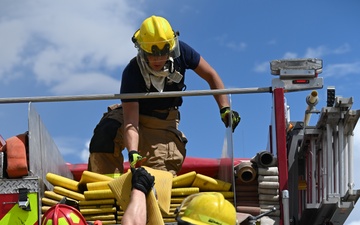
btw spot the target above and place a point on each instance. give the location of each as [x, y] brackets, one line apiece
[207, 208]
[156, 37]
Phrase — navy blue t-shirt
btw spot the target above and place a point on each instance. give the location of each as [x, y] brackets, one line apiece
[133, 82]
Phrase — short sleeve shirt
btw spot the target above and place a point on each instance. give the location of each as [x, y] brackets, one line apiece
[133, 82]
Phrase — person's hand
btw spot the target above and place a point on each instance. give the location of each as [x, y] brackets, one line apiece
[134, 158]
[142, 180]
[225, 117]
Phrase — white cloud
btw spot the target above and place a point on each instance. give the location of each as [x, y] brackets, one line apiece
[342, 69]
[262, 67]
[236, 46]
[8, 55]
[61, 41]
[316, 52]
[66, 147]
[290, 55]
[342, 49]
[354, 223]
[92, 83]
[323, 50]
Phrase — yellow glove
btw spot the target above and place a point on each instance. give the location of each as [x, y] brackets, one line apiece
[135, 158]
[225, 117]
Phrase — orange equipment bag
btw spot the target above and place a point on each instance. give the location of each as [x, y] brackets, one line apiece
[16, 150]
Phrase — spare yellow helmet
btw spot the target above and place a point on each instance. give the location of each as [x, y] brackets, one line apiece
[156, 37]
[207, 208]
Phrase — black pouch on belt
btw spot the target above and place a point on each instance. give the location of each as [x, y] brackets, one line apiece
[159, 115]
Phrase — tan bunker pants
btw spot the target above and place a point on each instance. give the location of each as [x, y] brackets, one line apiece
[160, 141]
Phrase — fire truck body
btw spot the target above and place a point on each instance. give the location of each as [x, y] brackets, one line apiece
[314, 162]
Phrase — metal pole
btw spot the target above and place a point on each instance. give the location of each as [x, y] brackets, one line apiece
[311, 100]
[329, 161]
[337, 159]
[350, 166]
[346, 160]
[136, 95]
[341, 158]
[285, 202]
[313, 171]
[324, 168]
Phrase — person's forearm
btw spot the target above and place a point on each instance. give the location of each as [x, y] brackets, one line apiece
[222, 101]
[216, 83]
[131, 138]
[205, 71]
[131, 129]
[135, 213]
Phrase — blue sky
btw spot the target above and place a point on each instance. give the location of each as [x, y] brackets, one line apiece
[52, 48]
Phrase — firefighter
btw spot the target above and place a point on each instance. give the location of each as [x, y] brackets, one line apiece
[148, 127]
[206, 208]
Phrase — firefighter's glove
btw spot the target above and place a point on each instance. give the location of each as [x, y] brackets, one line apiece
[142, 180]
[225, 117]
[134, 157]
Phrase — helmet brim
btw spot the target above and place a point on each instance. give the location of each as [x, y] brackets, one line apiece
[184, 220]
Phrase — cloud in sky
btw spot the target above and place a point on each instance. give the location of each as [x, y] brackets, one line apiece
[236, 46]
[66, 43]
[80, 83]
[321, 51]
[262, 67]
[223, 40]
[342, 69]
[290, 55]
[354, 223]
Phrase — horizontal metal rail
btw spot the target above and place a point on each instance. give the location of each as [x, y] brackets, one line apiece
[135, 95]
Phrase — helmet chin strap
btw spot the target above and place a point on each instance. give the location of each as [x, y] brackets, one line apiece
[157, 78]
